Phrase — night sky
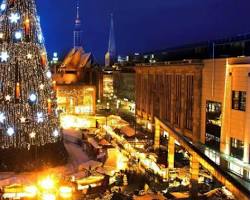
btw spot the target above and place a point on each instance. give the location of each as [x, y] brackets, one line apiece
[141, 25]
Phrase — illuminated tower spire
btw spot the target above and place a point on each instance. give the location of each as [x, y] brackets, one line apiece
[78, 27]
[111, 54]
[112, 48]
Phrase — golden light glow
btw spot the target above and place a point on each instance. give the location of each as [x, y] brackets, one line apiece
[71, 121]
[65, 192]
[27, 20]
[47, 188]
[108, 88]
[31, 191]
[83, 109]
[48, 196]
[76, 100]
[90, 89]
[148, 163]
[47, 183]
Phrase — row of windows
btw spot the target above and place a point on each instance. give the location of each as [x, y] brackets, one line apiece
[167, 91]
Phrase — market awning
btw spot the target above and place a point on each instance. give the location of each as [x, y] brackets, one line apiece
[104, 142]
[128, 131]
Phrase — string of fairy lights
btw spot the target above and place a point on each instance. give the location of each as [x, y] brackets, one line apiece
[28, 114]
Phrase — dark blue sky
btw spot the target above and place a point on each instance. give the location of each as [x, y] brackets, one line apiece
[141, 25]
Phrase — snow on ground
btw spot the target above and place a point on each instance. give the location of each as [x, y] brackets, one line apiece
[76, 155]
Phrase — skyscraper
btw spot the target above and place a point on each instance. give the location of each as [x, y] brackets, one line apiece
[110, 56]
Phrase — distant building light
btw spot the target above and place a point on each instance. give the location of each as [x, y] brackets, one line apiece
[137, 54]
[122, 59]
[55, 58]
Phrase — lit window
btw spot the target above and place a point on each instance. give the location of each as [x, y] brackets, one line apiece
[236, 168]
[239, 100]
[236, 148]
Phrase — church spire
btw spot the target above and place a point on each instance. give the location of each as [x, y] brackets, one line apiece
[78, 28]
[111, 54]
[77, 10]
[112, 46]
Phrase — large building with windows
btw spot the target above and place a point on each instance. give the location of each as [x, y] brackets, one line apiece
[172, 93]
[225, 107]
[207, 101]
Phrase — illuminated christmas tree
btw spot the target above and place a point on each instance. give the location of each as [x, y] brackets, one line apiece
[28, 115]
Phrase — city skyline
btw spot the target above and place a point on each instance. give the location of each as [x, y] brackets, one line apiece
[198, 21]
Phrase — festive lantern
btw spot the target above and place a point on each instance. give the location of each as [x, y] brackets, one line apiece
[43, 59]
[49, 106]
[27, 26]
[17, 90]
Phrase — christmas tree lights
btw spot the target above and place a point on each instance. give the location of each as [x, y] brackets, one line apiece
[27, 101]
